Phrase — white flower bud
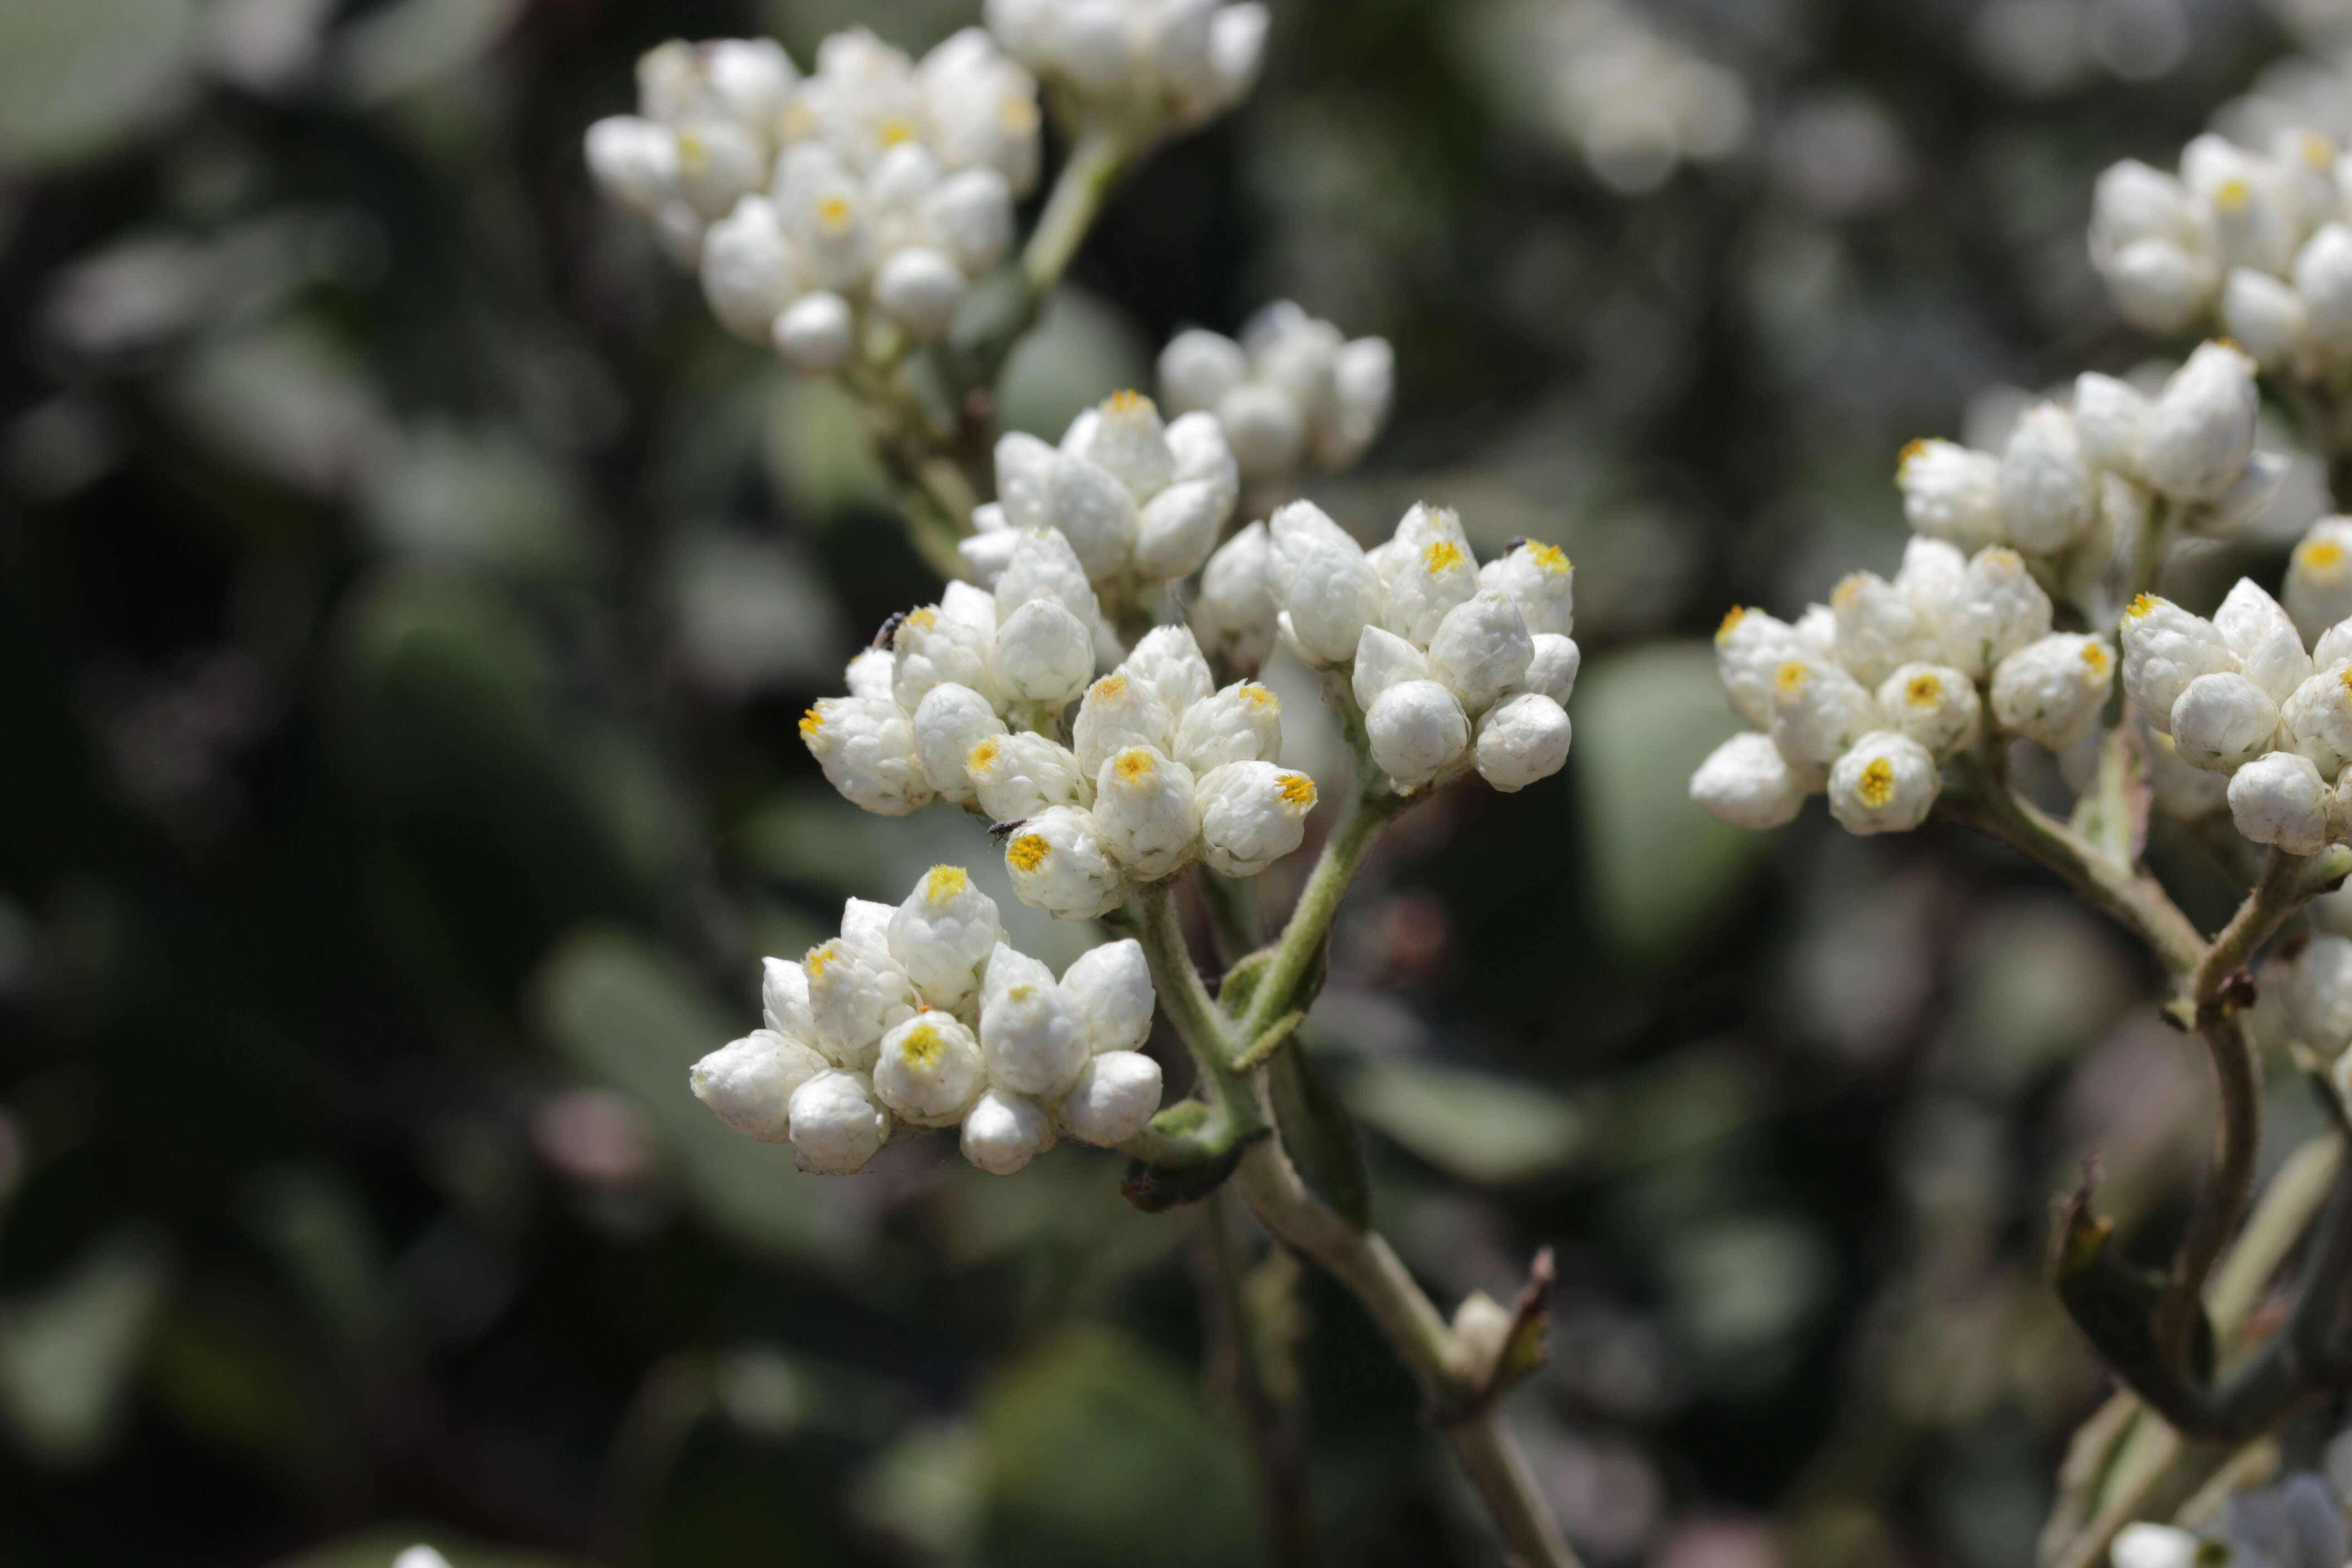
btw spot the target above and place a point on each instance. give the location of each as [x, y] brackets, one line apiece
[2109, 418]
[1233, 611]
[2322, 278]
[857, 993]
[2269, 649]
[1432, 575]
[1044, 654]
[1251, 814]
[1746, 783]
[1383, 660]
[929, 1071]
[784, 999]
[2049, 495]
[866, 922]
[2318, 591]
[1202, 453]
[2264, 316]
[2222, 721]
[1481, 649]
[1321, 580]
[1266, 430]
[1177, 529]
[2133, 202]
[1363, 384]
[814, 333]
[970, 214]
[1241, 723]
[748, 271]
[1167, 661]
[1520, 740]
[1818, 712]
[1417, 730]
[1144, 810]
[2201, 428]
[1110, 989]
[1119, 712]
[942, 935]
[2158, 287]
[2180, 789]
[2315, 993]
[2051, 691]
[1128, 441]
[2319, 716]
[1551, 668]
[948, 723]
[1045, 566]
[2165, 648]
[1934, 704]
[932, 647]
[837, 1122]
[1095, 512]
[866, 748]
[1539, 579]
[1020, 773]
[1029, 1034]
[2279, 798]
[1117, 1094]
[1878, 626]
[1951, 493]
[1749, 649]
[749, 1084]
[634, 162]
[718, 165]
[918, 288]
[1886, 783]
[2143, 1545]
[1058, 864]
[1198, 367]
[1023, 466]
[1003, 1131]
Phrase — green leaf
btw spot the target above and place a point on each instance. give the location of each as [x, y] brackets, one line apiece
[629, 1014]
[78, 76]
[1319, 1133]
[1477, 1126]
[68, 1352]
[1662, 869]
[1104, 1451]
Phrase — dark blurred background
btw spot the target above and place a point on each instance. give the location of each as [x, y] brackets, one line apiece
[405, 595]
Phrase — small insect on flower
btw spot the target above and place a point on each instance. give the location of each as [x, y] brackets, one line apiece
[889, 632]
[1001, 830]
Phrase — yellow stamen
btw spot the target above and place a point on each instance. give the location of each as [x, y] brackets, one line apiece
[1550, 557]
[1110, 688]
[1127, 402]
[810, 722]
[1790, 675]
[818, 957]
[1731, 618]
[981, 757]
[1027, 852]
[922, 1046]
[1913, 450]
[1442, 553]
[1134, 764]
[1258, 695]
[1297, 790]
[833, 212]
[924, 619]
[1877, 785]
[895, 131]
[2319, 554]
[2095, 656]
[1925, 690]
[944, 883]
[2232, 195]
[2142, 605]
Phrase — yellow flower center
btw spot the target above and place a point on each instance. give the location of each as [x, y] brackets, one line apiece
[1913, 450]
[1732, 619]
[924, 619]
[1127, 402]
[2344, 680]
[2232, 195]
[944, 883]
[1925, 692]
[922, 1046]
[1791, 675]
[819, 956]
[693, 152]
[1110, 687]
[1027, 852]
[1297, 790]
[1258, 695]
[2144, 605]
[1550, 557]
[983, 757]
[2095, 657]
[1843, 595]
[812, 721]
[1442, 553]
[896, 131]
[833, 212]
[2319, 555]
[1134, 764]
[1877, 786]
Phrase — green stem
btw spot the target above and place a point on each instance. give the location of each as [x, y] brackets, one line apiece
[1301, 943]
[1079, 191]
[2220, 1201]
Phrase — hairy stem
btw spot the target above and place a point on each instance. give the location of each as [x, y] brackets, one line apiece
[1086, 179]
[1301, 943]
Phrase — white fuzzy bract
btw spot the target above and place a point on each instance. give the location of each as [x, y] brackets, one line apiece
[1147, 66]
[1294, 392]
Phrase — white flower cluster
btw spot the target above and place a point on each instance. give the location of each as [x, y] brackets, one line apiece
[1148, 66]
[1293, 391]
[921, 1016]
[875, 182]
[1454, 666]
[2240, 696]
[2314, 992]
[1142, 502]
[2081, 479]
[1158, 770]
[2263, 245]
[1636, 102]
[1866, 695]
